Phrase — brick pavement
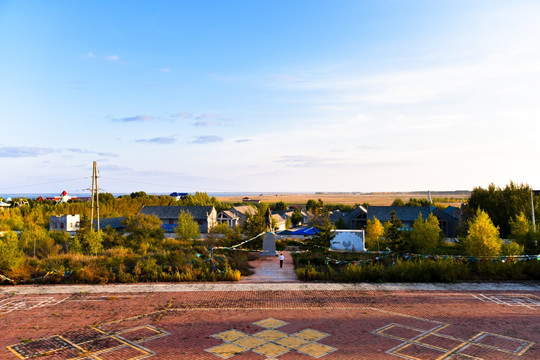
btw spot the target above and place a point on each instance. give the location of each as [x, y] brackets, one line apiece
[267, 270]
[324, 323]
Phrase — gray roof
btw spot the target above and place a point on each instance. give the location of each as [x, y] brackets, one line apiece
[403, 213]
[228, 213]
[244, 210]
[336, 215]
[278, 218]
[359, 210]
[173, 212]
[114, 222]
[407, 213]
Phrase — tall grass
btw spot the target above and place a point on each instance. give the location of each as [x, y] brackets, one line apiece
[122, 265]
[418, 270]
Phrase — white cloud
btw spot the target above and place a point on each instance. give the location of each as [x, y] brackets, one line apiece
[182, 115]
[158, 140]
[24, 151]
[112, 57]
[138, 118]
[207, 139]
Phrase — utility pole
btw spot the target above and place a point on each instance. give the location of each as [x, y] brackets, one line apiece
[95, 193]
[532, 212]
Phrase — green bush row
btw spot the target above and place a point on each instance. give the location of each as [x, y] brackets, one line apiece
[123, 266]
[421, 270]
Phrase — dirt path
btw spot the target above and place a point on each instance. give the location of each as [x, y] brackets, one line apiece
[267, 270]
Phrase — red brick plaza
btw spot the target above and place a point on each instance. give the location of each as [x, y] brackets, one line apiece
[270, 321]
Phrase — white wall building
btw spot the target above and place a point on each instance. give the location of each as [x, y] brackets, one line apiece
[349, 240]
[68, 223]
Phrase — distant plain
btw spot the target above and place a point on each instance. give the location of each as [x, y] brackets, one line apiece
[453, 198]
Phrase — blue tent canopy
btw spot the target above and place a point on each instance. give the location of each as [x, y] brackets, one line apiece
[306, 231]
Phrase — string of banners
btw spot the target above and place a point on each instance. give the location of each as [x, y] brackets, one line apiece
[66, 274]
[408, 256]
[236, 247]
[214, 262]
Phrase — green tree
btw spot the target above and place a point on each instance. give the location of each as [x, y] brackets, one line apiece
[511, 249]
[61, 238]
[145, 231]
[11, 256]
[482, 237]
[92, 242]
[417, 202]
[425, 234]
[138, 194]
[522, 233]
[255, 223]
[105, 198]
[280, 206]
[393, 235]
[35, 241]
[311, 205]
[321, 221]
[340, 224]
[201, 199]
[374, 233]
[501, 205]
[187, 228]
[519, 228]
[398, 202]
[296, 217]
[112, 238]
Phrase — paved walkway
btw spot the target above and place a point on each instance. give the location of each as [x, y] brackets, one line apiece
[259, 321]
[267, 270]
[256, 287]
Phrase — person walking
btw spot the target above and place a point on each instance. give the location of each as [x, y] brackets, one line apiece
[281, 258]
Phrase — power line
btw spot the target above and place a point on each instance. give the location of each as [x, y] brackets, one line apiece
[45, 183]
[156, 184]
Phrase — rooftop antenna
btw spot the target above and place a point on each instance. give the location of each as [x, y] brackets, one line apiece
[95, 194]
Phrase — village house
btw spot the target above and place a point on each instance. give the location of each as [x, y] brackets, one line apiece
[68, 223]
[358, 218]
[251, 201]
[280, 222]
[205, 216]
[115, 223]
[236, 216]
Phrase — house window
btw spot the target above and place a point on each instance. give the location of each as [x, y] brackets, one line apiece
[171, 222]
[61, 225]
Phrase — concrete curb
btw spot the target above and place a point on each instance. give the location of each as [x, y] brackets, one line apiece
[228, 286]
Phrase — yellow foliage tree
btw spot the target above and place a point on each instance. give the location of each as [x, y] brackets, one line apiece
[374, 233]
[520, 227]
[483, 237]
[425, 235]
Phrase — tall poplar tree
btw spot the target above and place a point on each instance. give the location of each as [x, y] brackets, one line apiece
[187, 228]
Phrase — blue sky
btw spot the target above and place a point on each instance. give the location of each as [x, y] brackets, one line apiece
[268, 96]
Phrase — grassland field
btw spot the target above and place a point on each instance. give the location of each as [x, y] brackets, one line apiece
[374, 199]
